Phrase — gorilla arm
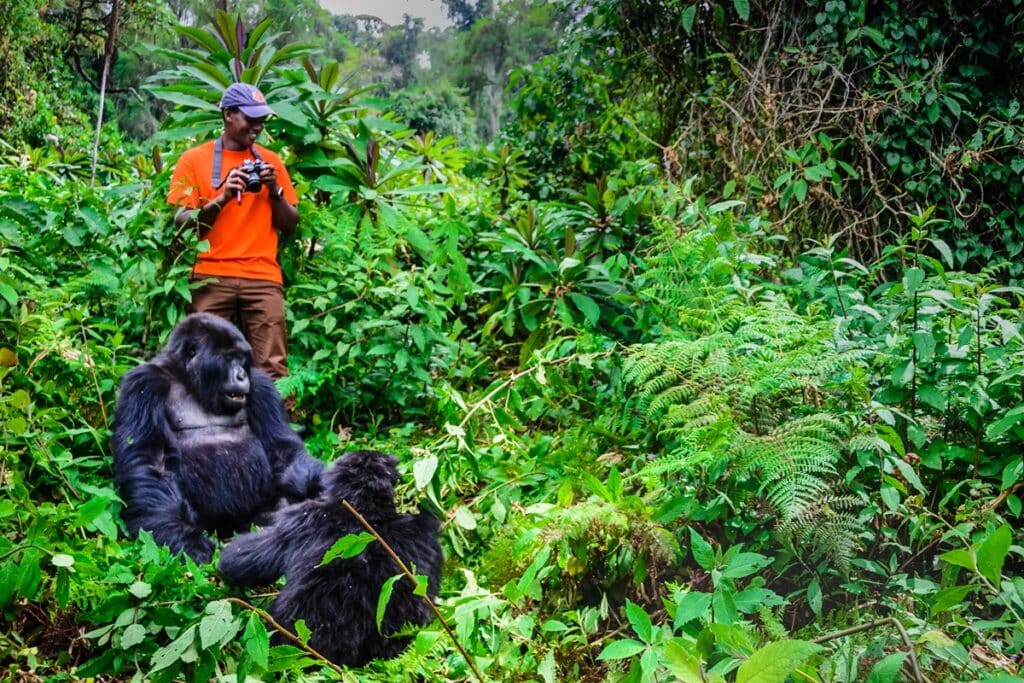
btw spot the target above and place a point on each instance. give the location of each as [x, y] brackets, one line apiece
[144, 451]
[296, 473]
[260, 557]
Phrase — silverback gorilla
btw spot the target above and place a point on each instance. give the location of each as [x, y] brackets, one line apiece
[338, 601]
[201, 441]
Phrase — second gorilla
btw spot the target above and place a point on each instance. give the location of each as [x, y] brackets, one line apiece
[338, 601]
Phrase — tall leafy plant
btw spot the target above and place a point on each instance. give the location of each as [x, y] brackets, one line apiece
[225, 53]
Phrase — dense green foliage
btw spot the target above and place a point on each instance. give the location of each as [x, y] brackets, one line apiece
[703, 335]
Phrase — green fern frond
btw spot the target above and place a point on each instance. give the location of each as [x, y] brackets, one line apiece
[829, 526]
[740, 387]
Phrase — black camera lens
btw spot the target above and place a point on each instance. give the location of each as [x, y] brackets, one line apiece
[252, 169]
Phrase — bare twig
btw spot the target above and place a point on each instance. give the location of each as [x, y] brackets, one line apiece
[918, 676]
[305, 647]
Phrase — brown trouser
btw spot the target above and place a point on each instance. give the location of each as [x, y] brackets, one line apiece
[257, 307]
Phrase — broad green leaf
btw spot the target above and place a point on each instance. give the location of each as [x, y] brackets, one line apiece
[891, 497]
[62, 560]
[302, 631]
[944, 250]
[775, 661]
[800, 190]
[528, 584]
[992, 553]
[547, 669]
[621, 649]
[959, 557]
[683, 661]
[742, 8]
[587, 306]
[702, 551]
[347, 546]
[140, 589]
[902, 373]
[932, 397]
[423, 471]
[1014, 505]
[909, 474]
[385, 597]
[132, 636]
[419, 241]
[750, 600]
[464, 518]
[887, 670]
[639, 620]
[9, 294]
[924, 343]
[20, 399]
[256, 641]
[1012, 418]
[692, 606]
[8, 582]
[1012, 473]
[814, 597]
[174, 652]
[218, 625]
[745, 564]
[29, 575]
[733, 639]
[817, 173]
[553, 626]
[689, 14]
[912, 279]
[724, 605]
[727, 205]
[949, 598]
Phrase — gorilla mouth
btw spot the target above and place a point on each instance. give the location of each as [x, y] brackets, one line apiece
[234, 397]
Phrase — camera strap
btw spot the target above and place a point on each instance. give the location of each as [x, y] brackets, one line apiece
[218, 156]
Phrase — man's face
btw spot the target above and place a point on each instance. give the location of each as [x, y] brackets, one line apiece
[241, 128]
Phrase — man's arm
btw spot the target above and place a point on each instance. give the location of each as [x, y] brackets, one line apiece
[285, 216]
[205, 215]
[283, 213]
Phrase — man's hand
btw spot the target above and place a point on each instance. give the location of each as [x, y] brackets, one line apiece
[234, 186]
[269, 177]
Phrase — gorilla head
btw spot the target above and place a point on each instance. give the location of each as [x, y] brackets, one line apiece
[366, 479]
[213, 360]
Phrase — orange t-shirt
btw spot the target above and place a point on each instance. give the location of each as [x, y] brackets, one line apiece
[243, 241]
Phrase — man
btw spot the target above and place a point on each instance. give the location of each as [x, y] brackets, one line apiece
[240, 272]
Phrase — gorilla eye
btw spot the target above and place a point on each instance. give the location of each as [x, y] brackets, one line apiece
[191, 349]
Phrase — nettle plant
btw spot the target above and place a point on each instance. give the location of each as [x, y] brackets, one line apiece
[950, 355]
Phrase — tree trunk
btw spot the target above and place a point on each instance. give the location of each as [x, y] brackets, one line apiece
[108, 55]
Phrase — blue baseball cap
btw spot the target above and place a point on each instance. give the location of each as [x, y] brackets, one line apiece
[247, 98]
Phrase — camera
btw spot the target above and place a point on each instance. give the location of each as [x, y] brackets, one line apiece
[251, 168]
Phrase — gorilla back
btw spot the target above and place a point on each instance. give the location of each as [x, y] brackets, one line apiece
[201, 441]
[338, 601]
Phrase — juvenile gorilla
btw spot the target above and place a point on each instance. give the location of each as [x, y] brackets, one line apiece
[201, 441]
[339, 601]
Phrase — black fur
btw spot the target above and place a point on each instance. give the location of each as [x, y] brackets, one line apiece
[339, 601]
[201, 441]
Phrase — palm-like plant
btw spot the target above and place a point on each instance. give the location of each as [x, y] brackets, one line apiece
[225, 53]
[366, 178]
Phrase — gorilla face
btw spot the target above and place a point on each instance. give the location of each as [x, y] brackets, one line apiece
[216, 361]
